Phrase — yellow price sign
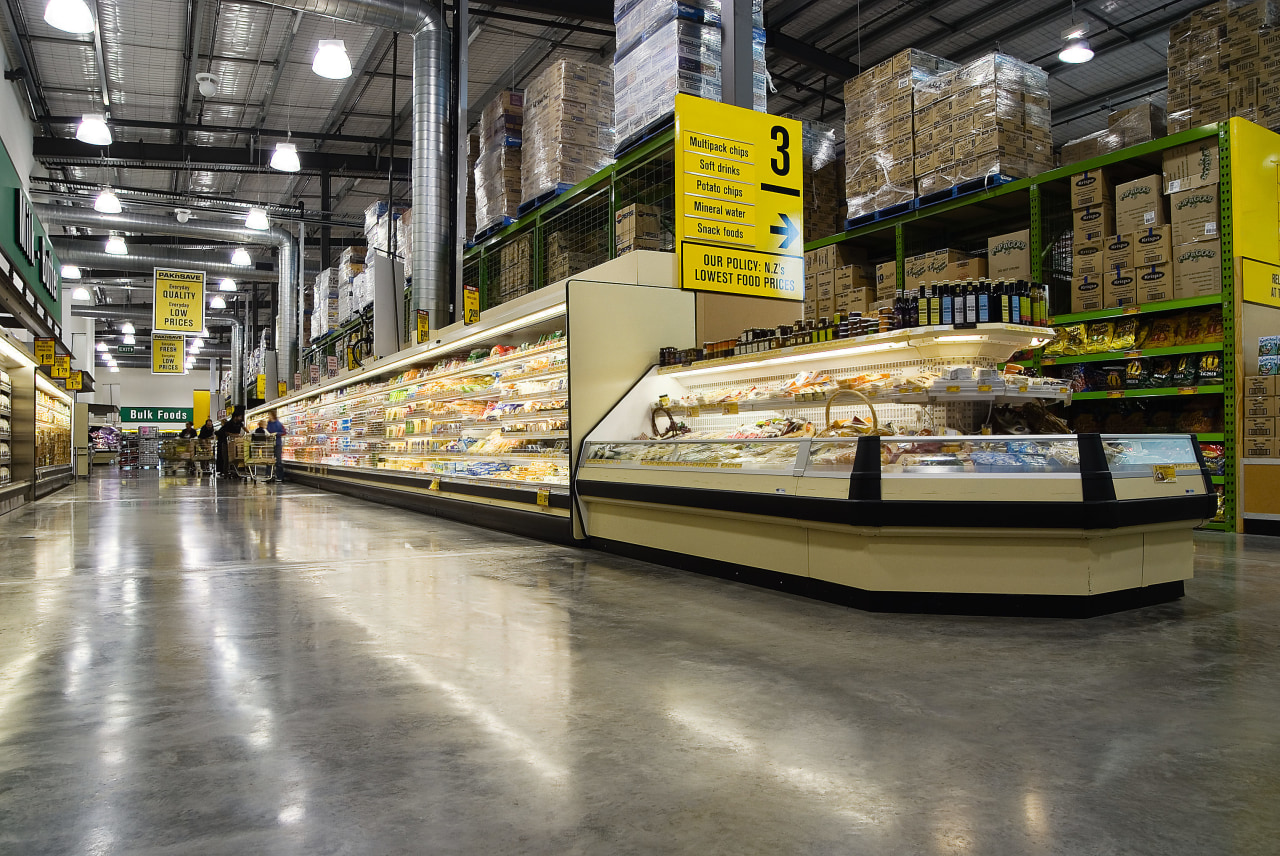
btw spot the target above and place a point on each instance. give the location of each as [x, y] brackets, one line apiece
[45, 351]
[1260, 283]
[435, 485]
[281, 389]
[739, 200]
[544, 497]
[261, 387]
[179, 301]
[424, 326]
[167, 353]
[470, 305]
[1164, 473]
[75, 381]
[61, 366]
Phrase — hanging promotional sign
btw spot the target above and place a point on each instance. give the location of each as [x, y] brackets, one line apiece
[739, 200]
[315, 374]
[470, 305]
[45, 349]
[179, 301]
[167, 354]
[281, 389]
[75, 381]
[61, 367]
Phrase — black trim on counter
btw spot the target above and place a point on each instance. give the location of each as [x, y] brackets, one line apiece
[1113, 514]
[935, 603]
[864, 483]
[1256, 526]
[1095, 476]
[531, 524]
[527, 495]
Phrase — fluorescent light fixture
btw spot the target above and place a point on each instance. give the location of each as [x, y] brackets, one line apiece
[872, 348]
[114, 368]
[257, 220]
[127, 327]
[959, 338]
[229, 284]
[48, 386]
[13, 352]
[70, 16]
[70, 272]
[217, 302]
[285, 158]
[331, 60]
[107, 203]
[1076, 51]
[116, 246]
[128, 339]
[93, 130]
[101, 346]
[81, 293]
[240, 258]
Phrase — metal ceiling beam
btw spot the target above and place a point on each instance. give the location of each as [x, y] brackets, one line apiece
[1134, 89]
[31, 75]
[599, 11]
[530, 58]
[166, 156]
[282, 57]
[542, 22]
[808, 55]
[785, 12]
[99, 56]
[234, 129]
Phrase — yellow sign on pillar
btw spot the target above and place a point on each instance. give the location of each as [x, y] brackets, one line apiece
[167, 353]
[261, 389]
[424, 326]
[739, 200]
[179, 301]
[1259, 283]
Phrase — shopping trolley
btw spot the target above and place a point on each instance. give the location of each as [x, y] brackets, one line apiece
[238, 457]
[202, 456]
[175, 455]
[252, 458]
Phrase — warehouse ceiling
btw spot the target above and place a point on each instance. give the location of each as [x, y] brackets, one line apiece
[176, 147]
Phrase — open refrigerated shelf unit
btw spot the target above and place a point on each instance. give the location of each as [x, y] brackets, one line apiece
[53, 437]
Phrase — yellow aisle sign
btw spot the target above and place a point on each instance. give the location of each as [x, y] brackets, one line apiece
[61, 366]
[1260, 283]
[424, 326]
[75, 381]
[179, 301]
[470, 305]
[739, 200]
[45, 349]
[166, 353]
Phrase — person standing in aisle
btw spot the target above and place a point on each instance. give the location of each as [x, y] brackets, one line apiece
[207, 430]
[277, 429]
[232, 426]
[188, 433]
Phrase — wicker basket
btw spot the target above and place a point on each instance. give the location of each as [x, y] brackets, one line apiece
[831, 429]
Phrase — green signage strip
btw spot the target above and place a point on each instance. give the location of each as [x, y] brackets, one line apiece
[124, 349]
[25, 242]
[157, 414]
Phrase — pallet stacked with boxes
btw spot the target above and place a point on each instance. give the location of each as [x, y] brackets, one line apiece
[665, 47]
[1191, 174]
[824, 204]
[988, 117]
[570, 251]
[473, 154]
[1128, 127]
[515, 268]
[879, 133]
[838, 280]
[1224, 61]
[497, 168]
[352, 296]
[568, 128]
[324, 303]
[1259, 410]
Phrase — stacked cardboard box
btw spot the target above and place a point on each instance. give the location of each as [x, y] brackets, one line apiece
[824, 206]
[838, 280]
[945, 265]
[1093, 219]
[988, 117]
[515, 268]
[568, 127]
[324, 303]
[497, 169]
[1191, 175]
[350, 263]
[670, 46]
[1009, 256]
[1126, 127]
[1135, 252]
[379, 222]
[879, 130]
[1259, 410]
[1224, 60]
[569, 251]
[637, 227]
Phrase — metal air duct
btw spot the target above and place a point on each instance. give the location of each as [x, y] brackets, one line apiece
[71, 253]
[432, 133]
[140, 313]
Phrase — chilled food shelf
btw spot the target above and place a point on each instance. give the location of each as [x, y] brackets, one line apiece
[1214, 389]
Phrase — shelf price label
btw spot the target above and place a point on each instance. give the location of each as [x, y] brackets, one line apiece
[544, 497]
[1049, 361]
[739, 200]
[731, 409]
[1187, 390]
[695, 412]
[470, 305]
[1115, 393]
[435, 485]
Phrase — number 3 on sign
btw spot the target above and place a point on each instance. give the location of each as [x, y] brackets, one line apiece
[783, 139]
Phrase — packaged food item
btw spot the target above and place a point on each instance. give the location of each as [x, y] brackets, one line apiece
[1054, 348]
[1137, 373]
[1073, 339]
[1165, 333]
[1079, 378]
[1098, 337]
[1215, 458]
[1184, 370]
[1194, 330]
[1135, 421]
[1209, 370]
[1161, 372]
[1125, 337]
[1196, 420]
[1144, 331]
[1112, 378]
[1114, 423]
[1268, 346]
[1212, 326]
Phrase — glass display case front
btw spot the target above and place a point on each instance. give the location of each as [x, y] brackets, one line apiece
[53, 430]
[6, 428]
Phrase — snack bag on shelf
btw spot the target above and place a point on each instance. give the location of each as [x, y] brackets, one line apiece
[1161, 372]
[1126, 335]
[1195, 329]
[1137, 374]
[1098, 338]
[1184, 371]
[1073, 339]
[1165, 333]
[1209, 370]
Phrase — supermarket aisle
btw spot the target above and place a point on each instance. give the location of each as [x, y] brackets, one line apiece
[186, 669]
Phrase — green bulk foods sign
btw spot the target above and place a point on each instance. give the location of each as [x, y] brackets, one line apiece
[24, 241]
[157, 414]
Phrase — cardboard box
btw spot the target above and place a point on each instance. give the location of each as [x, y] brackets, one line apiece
[965, 269]
[856, 300]
[1117, 251]
[1257, 386]
[931, 267]
[1087, 257]
[886, 280]
[1119, 288]
[825, 284]
[1155, 283]
[1086, 293]
[1257, 447]
[1090, 188]
[1197, 269]
[1152, 246]
[1195, 214]
[1009, 256]
[825, 307]
[1191, 166]
[1095, 218]
[1140, 204]
[1259, 407]
[637, 227]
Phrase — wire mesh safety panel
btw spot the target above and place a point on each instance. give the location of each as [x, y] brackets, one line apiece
[575, 237]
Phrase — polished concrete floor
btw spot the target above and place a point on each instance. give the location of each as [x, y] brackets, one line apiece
[190, 669]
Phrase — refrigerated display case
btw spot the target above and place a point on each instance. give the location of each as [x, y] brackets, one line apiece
[53, 437]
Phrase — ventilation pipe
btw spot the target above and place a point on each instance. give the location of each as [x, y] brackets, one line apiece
[72, 253]
[286, 275]
[432, 132]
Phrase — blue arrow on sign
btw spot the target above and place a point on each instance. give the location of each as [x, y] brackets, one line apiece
[788, 229]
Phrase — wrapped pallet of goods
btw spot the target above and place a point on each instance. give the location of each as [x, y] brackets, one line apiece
[473, 154]
[879, 133]
[665, 47]
[988, 117]
[324, 303]
[568, 128]
[379, 222]
[497, 166]
[824, 207]
[1128, 127]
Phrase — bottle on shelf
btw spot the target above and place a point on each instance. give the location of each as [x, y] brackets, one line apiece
[948, 304]
[921, 314]
[935, 305]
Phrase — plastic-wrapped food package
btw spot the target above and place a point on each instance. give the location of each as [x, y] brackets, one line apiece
[636, 20]
[880, 143]
[350, 263]
[681, 55]
[1091, 146]
[568, 127]
[497, 168]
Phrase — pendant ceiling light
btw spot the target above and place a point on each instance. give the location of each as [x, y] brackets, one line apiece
[93, 130]
[127, 327]
[217, 302]
[1076, 51]
[257, 220]
[70, 16]
[70, 272]
[107, 203]
[331, 60]
[116, 246]
[81, 293]
[229, 284]
[128, 339]
[102, 347]
[241, 258]
[285, 158]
